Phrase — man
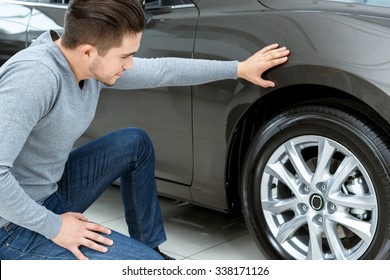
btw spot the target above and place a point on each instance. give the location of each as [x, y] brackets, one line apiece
[48, 97]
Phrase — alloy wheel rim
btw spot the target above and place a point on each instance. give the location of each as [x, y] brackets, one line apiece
[318, 200]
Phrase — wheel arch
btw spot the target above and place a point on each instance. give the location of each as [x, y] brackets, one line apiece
[309, 87]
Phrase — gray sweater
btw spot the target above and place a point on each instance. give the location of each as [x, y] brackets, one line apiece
[43, 111]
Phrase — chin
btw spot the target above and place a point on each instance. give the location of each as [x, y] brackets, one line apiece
[108, 83]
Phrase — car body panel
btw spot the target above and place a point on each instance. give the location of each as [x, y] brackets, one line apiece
[329, 5]
[14, 19]
[45, 16]
[222, 34]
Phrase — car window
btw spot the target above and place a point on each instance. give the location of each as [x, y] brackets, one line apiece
[53, 1]
[276, 4]
[383, 3]
[165, 3]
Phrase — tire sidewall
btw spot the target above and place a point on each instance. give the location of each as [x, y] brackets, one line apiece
[288, 126]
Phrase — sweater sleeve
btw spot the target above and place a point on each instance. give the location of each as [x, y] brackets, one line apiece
[160, 72]
[24, 101]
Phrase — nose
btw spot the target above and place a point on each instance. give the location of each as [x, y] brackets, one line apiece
[128, 63]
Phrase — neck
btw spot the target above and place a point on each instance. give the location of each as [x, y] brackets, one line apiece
[74, 61]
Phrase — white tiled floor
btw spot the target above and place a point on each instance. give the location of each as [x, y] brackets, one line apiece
[193, 232]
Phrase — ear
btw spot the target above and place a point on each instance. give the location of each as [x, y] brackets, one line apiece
[87, 52]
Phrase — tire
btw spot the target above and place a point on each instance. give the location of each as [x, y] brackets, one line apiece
[316, 184]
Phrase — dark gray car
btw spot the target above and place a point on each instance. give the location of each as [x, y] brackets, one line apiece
[307, 162]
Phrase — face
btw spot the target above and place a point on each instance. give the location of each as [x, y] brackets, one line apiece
[110, 67]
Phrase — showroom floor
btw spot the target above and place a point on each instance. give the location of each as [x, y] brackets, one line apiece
[193, 232]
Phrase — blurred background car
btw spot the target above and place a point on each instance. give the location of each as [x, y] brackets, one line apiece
[307, 162]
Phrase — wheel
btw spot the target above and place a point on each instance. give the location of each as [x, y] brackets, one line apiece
[316, 184]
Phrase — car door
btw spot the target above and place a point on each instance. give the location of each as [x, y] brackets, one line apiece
[165, 113]
[14, 18]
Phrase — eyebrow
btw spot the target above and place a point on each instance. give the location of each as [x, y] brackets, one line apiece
[129, 54]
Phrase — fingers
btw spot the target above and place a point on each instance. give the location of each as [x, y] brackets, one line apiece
[268, 48]
[253, 68]
[77, 253]
[277, 59]
[93, 236]
[274, 56]
[265, 83]
[272, 51]
[78, 216]
[95, 241]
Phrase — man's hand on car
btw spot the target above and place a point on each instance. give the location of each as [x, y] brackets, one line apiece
[253, 68]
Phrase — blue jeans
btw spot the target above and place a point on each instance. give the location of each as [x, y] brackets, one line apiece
[126, 154]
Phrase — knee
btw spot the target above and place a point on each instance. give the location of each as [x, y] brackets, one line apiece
[137, 138]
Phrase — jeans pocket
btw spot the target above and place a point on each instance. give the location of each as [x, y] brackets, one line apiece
[7, 236]
[20, 243]
[9, 232]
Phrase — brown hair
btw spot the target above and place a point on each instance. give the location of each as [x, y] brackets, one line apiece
[101, 23]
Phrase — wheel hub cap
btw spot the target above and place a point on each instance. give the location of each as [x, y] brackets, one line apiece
[316, 202]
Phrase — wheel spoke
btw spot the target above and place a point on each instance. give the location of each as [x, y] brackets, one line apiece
[330, 229]
[325, 154]
[280, 205]
[278, 171]
[366, 202]
[315, 246]
[298, 162]
[347, 166]
[289, 228]
[359, 227]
